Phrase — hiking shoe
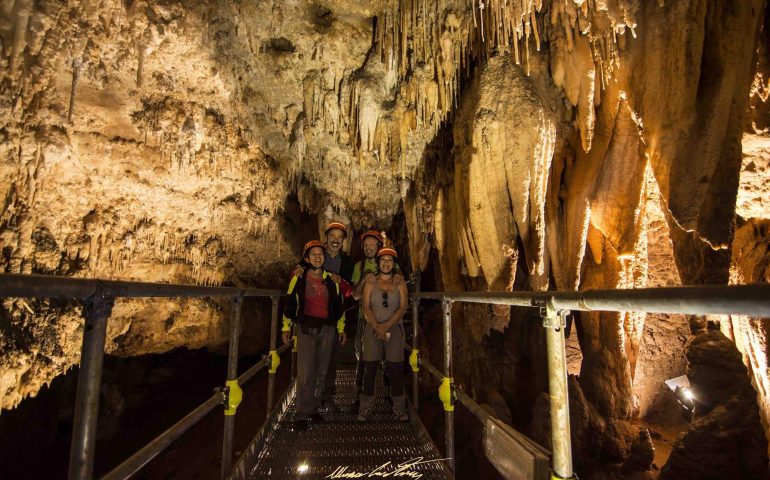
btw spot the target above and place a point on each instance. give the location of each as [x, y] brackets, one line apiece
[363, 416]
[402, 416]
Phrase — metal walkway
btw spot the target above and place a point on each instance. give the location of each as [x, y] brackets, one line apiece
[341, 448]
[381, 444]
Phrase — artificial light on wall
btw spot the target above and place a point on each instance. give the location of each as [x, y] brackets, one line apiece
[684, 394]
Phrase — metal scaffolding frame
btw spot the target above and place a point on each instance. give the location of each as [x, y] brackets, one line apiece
[749, 300]
[99, 296]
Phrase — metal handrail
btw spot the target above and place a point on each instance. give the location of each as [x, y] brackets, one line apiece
[462, 397]
[752, 300]
[99, 297]
[138, 460]
[45, 286]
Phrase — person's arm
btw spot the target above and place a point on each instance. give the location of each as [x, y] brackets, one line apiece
[403, 304]
[368, 313]
[398, 276]
[299, 270]
[355, 280]
[337, 307]
[359, 288]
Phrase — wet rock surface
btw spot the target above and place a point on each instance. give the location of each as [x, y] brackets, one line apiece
[509, 145]
[725, 438]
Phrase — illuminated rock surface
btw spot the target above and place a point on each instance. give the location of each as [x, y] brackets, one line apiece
[517, 144]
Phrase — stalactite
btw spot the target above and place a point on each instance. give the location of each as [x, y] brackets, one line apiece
[19, 37]
[77, 64]
[142, 48]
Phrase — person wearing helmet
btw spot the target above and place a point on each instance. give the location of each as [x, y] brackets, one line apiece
[365, 271]
[314, 303]
[383, 337]
[339, 264]
[336, 261]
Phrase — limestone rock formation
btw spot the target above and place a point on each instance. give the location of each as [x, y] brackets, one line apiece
[726, 438]
[534, 144]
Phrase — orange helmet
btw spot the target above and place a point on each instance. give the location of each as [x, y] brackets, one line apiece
[387, 251]
[310, 245]
[372, 233]
[339, 225]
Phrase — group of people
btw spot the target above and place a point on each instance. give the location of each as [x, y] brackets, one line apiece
[321, 285]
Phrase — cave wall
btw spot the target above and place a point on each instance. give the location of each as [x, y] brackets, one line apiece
[528, 145]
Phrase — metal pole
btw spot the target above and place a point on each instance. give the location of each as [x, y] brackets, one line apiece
[232, 373]
[751, 300]
[554, 323]
[141, 458]
[97, 311]
[273, 339]
[293, 344]
[152, 449]
[446, 305]
[415, 344]
[51, 286]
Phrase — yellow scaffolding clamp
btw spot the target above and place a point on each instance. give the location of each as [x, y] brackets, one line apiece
[446, 393]
[414, 360]
[233, 396]
[294, 343]
[275, 360]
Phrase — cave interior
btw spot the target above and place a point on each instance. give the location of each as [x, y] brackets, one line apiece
[502, 145]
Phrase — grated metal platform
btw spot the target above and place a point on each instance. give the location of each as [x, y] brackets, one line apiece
[374, 449]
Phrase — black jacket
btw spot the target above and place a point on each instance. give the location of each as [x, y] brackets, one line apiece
[294, 310]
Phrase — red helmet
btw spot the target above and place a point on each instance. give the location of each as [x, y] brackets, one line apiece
[372, 233]
[339, 225]
[387, 251]
[310, 245]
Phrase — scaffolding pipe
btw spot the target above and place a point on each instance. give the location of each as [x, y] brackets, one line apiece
[293, 343]
[141, 458]
[273, 340]
[232, 373]
[751, 300]
[48, 286]
[462, 397]
[81, 461]
[248, 374]
[415, 345]
[554, 323]
[446, 305]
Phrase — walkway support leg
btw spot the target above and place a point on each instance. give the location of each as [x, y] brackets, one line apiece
[555, 324]
[97, 311]
[415, 345]
[445, 391]
[232, 386]
[274, 358]
[293, 355]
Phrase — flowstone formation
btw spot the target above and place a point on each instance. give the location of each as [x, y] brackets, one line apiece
[528, 144]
